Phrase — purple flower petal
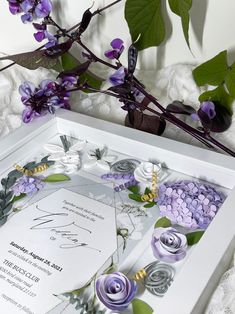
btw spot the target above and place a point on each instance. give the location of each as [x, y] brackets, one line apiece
[39, 36]
[27, 17]
[117, 43]
[118, 77]
[43, 9]
[209, 108]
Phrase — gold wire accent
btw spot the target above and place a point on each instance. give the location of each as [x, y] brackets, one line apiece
[140, 275]
[151, 196]
[32, 172]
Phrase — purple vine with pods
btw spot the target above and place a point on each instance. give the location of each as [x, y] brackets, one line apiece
[131, 93]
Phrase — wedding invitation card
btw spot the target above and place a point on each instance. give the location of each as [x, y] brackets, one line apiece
[53, 246]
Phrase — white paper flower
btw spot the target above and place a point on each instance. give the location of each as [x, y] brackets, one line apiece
[99, 158]
[144, 172]
[68, 161]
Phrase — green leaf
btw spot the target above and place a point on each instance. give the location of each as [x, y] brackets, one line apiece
[194, 237]
[17, 198]
[57, 177]
[134, 189]
[230, 80]
[144, 18]
[33, 60]
[147, 191]
[212, 72]
[135, 197]
[69, 62]
[141, 307]
[150, 204]
[181, 8]
[218, 94]
[163, 223]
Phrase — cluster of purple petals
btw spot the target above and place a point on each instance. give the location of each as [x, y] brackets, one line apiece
[27, 185]
[208, 108]
[42, 33]
[190, 204]
[31, 9]
[115, 291]
[117, 49]
[45, 98]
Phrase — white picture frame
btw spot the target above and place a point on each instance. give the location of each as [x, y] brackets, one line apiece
[199, 275]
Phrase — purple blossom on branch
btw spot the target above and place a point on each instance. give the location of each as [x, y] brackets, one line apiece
[190, 204]
[115, 291]
[32, 9]
[117, 78]
[45, 98]
[207, 108]
[118, 47]
[27, 185]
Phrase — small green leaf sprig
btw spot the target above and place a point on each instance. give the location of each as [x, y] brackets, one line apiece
[7, 197]
[192, 237]
[136, 196]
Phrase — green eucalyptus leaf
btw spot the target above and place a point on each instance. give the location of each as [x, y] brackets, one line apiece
[30, 165]
[8, 196]
[2, 204]
[144, 18]
[69, 62]
[134, 189]
[17, 198]
[15, 174]
[135, 197]
[194, 237]
[181, 8]
[213, 71]
[7, 208]
[163, 223]
[147, 191]
[230, 80]
[10, 182]
[218, 94]
[3, 220]
[150, 204]
[57, 177]
[4, 182]
[141, 307]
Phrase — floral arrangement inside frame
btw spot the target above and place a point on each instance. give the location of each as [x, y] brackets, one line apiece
[145, 195]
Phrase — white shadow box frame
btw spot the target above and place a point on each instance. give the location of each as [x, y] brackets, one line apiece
[200, 274]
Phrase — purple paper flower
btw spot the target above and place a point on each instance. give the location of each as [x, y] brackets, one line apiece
[118, 77]
[45, 98]
[168, 245]
[117, 45]
[27, 185]
[115, 291]
[190, 204]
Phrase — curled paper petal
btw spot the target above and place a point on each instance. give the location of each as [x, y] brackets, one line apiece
[52, 148]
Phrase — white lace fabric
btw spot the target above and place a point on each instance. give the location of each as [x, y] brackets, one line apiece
[223, 299]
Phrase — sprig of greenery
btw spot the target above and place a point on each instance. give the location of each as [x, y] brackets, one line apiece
[136, 196]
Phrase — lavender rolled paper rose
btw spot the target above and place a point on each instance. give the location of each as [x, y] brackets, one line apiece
[168, 245]
[115, 291]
